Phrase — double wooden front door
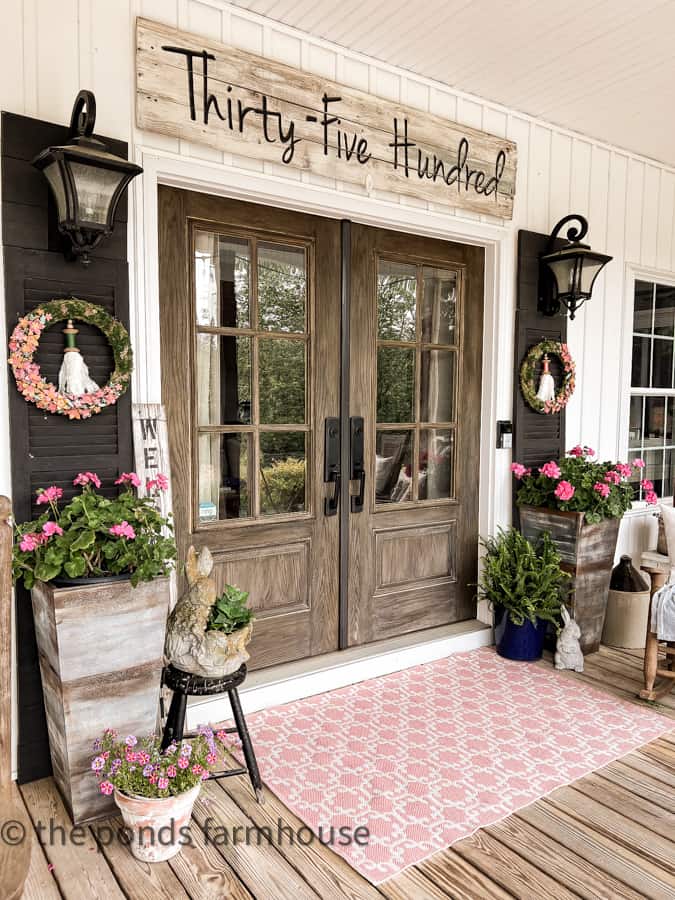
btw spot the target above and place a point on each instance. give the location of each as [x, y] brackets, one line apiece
[251, 341]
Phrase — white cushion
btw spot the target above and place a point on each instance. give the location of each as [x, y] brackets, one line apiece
[668, 516]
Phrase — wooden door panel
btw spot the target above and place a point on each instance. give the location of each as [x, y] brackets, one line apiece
[287, 560]
[414, 548]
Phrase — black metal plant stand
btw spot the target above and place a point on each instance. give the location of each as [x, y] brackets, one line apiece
[185, 685]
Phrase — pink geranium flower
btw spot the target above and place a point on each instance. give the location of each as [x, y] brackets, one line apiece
[31, 541]
[564, 491]
[576, 451]
[124, 529]
[624, 470]
[646, 485]
[129, 478]
[602, 489]
[49, 495]
[87, 478]
[639, 463]
[50, 528]
[612, 477]
[651, 498]
[518, 469]
[550, 469]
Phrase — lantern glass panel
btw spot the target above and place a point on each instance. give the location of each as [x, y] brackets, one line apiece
[563, 272]
[589, 273]
[53, 175]
[95, 188]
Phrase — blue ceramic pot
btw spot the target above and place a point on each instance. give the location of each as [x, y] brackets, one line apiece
[521, 642]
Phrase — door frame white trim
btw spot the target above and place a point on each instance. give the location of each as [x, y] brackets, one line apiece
[163, 168]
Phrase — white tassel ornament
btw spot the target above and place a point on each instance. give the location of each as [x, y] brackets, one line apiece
[546, 390]
[74, 373]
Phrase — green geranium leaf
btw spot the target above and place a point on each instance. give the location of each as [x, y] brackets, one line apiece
[85, 540]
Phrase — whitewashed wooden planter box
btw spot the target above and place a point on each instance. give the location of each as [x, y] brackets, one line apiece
[587, 554]
[101, 656]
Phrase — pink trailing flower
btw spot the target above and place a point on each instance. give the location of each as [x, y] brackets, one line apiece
[183, 762]
[129, 478]
[205, 775]
[124, 529]
[651, 498]
[223, 736]
[211, 759]
[131, 756]
[602, 489]
[646, 485]
[550, 469]
[162, 783]
[143, 758]
[131, 740]
[49, 495]
[50, 528]
[87, 478]
[197, 769]
[564, 491]
[171, 771]
[612, 477]
[518, 470]
[106, 788]
[97, 764]
[639, 463]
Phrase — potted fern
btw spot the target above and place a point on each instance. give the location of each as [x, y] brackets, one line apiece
[525, 586]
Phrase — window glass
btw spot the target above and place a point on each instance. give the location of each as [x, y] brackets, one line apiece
[396, 301]
[282, 284]
[651, 434]
[250, 373]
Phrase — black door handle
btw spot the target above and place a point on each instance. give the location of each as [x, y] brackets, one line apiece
[331, 464]
[356, 465]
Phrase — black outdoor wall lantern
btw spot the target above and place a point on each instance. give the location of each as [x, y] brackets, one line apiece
[87, 181]
[567, 274]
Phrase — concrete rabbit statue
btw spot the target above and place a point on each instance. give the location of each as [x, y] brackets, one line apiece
[189, 646]
[568, 653]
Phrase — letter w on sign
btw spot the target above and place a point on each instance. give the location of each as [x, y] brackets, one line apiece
[151, 449]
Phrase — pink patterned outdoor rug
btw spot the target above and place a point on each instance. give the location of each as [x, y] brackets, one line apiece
[426, 756]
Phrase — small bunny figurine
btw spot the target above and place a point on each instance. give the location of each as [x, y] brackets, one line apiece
[568, 653]
[189, 645]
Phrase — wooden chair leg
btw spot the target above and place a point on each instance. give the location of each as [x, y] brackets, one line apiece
[651, 659]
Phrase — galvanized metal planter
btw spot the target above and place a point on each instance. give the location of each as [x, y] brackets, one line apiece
[100, 648]
[587, 553]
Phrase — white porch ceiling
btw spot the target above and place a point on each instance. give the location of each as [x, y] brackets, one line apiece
[605, 68]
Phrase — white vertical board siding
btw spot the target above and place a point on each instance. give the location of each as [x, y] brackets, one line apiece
[51, 50]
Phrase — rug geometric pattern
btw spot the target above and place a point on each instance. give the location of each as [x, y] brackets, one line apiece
[424, 757]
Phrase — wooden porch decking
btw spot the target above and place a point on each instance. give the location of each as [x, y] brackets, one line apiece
[610, 834]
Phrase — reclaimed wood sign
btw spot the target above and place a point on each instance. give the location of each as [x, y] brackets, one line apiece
[192, 88]
[151, 449]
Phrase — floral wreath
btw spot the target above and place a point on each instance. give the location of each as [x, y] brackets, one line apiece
[528, 375]
[36, 389]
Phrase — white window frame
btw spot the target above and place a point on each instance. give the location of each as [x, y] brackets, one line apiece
[634, 274]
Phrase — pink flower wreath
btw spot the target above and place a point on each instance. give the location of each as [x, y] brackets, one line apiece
[36, 389]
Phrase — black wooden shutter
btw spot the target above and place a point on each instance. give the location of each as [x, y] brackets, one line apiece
[50, 449]
[536, 437]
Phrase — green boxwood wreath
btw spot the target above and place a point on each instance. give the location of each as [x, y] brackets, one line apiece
[529, 371]
[36, 389]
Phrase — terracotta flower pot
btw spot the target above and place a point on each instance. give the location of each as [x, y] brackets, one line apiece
[157, 826]
[587, 553]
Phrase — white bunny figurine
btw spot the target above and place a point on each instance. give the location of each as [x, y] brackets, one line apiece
[568, 653]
